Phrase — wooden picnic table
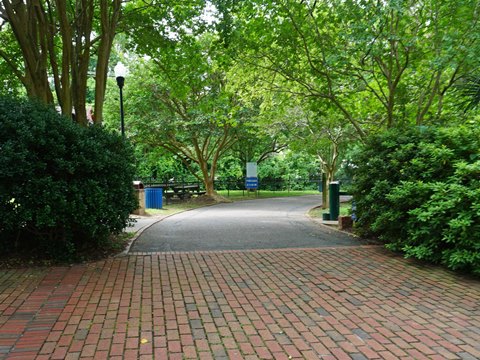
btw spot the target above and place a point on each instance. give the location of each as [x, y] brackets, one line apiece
[186, 188]
[183, 191]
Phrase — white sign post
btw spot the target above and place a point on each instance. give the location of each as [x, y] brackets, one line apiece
[251, 182]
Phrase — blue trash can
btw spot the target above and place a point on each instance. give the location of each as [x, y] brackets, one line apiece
[153, 197]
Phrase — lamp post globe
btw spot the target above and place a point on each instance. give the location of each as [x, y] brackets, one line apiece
[120, 72]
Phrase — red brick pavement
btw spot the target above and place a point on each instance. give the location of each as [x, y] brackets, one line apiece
[336, 303]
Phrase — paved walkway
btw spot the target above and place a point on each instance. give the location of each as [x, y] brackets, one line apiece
[244, 225]
[324, 303]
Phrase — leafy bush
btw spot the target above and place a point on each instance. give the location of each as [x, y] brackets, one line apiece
[418, 190]
[63, 188]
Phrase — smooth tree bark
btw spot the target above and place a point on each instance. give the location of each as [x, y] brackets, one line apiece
[109, 19]
[29, 25]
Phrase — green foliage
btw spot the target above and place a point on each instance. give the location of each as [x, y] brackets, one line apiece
[470, 92]
[157, 164]
[178, 100]
[379, 63]
[289, 165]
[419, 191]
[63, 188]
[230, 167]
[452, 216]
[10, 85]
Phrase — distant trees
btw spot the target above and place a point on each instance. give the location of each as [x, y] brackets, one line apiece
[180, 95]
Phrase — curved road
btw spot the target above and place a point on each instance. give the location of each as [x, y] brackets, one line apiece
[253, 224]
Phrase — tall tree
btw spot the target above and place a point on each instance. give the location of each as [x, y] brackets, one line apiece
[179, 102]
[184, 104]
[57, 40]
[317, 129]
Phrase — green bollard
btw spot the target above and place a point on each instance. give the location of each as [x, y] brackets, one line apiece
[334, 197]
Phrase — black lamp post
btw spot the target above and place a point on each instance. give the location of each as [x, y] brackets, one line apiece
[120, 71]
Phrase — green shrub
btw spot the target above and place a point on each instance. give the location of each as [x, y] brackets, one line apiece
[418, 190]
[446, 228]
[63, 188]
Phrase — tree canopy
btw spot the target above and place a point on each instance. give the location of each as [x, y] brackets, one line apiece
[250, 77]
[181, 103]
[381, 64]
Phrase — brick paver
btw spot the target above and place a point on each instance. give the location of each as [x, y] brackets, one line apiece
[335, 303]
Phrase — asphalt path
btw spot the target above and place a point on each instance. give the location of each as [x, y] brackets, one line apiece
[254, 224]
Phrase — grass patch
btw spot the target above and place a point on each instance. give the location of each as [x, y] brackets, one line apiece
[345, 208]
[173, 208]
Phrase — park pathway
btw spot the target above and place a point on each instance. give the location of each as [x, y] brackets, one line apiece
[244, 225]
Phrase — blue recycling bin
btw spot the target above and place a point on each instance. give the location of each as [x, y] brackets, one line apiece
[153, 198]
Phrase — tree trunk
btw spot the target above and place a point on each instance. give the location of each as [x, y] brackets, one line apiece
[62, 75]
[101, 73]
[209, 186]
[109, 23]
[38, 87]
[55, 40]
[207, 177]
[30, 30]
[330, 172]
[79, 94]
[84, 12]
[324, 191]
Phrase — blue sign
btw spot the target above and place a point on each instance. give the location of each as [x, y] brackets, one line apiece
[251, 183]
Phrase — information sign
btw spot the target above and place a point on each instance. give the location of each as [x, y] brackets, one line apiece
[251, 183]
